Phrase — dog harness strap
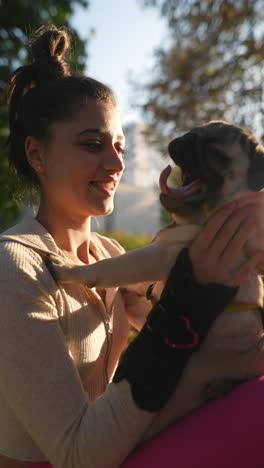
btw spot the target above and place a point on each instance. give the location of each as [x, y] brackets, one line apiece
[240, 307]
[176, 326]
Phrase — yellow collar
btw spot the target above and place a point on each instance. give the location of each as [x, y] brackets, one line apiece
[240, 307]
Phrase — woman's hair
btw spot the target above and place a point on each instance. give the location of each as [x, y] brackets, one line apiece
[45, 92]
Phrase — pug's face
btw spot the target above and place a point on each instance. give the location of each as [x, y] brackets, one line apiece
[224, 158]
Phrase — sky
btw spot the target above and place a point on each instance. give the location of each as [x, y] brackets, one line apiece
[122, 47]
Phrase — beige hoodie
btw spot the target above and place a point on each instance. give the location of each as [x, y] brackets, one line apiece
[58, 350]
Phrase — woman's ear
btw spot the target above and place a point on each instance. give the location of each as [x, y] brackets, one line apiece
[34, 150]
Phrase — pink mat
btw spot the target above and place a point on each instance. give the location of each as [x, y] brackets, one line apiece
[227, 433]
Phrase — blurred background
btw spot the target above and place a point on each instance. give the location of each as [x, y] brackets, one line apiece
[172, 64]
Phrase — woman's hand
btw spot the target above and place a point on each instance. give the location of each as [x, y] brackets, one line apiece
[253, 199]
[215, 253]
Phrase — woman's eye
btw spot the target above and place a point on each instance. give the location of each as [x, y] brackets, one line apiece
[92, 145]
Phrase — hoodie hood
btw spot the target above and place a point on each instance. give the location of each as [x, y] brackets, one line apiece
[32, 234]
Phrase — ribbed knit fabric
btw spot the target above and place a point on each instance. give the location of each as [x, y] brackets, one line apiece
[56, 357]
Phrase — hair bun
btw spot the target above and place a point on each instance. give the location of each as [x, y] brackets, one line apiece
[48, 47]
[49, 41]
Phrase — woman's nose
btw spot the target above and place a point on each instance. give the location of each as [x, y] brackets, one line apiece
[114, 160]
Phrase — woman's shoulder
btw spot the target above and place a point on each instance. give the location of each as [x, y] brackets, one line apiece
[107, 246]
[21, 265]
[23, 273]
[23, 248]
[16, 256]
[27, 238]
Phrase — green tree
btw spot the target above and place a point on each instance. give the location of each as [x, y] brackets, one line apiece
[18, 19]
[212, 68]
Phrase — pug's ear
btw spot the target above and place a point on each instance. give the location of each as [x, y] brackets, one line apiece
[256, 168]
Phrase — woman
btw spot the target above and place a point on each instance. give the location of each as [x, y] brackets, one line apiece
[59, 348]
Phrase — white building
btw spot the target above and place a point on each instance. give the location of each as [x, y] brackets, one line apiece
[137, 210]
[143, 162]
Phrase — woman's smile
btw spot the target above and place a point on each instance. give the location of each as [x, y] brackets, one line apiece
[104, 186]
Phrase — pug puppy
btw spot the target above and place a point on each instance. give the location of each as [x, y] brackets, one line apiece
[217, 162]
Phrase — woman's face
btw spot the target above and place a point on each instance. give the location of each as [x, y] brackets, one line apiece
[83, 161]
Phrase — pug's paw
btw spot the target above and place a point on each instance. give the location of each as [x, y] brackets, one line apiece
[62, 271]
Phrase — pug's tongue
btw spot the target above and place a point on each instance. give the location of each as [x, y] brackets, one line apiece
[179, 194]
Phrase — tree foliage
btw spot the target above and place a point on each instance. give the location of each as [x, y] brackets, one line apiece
[18, 19]
[213, 67]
